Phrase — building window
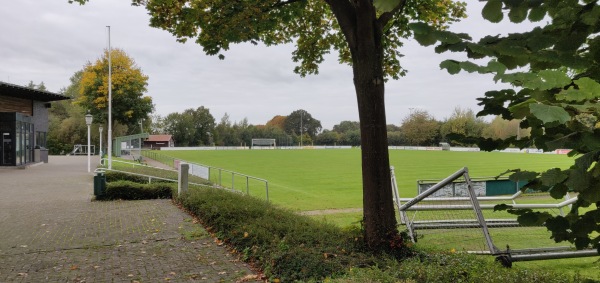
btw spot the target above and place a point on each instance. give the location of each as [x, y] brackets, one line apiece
[40, 139]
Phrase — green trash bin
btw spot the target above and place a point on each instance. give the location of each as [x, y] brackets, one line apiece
[99, 184]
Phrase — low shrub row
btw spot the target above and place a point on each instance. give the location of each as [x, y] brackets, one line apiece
[292, 248]
[128, 190]
[284, 245]
[112, 176]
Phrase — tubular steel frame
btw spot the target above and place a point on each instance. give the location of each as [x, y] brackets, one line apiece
[506, 257]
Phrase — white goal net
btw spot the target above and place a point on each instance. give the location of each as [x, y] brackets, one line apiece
[263, 144]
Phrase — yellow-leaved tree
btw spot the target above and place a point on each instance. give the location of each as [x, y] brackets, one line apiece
[129, 104]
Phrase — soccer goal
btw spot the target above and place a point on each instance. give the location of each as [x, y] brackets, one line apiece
[468, 222]
[263, 144]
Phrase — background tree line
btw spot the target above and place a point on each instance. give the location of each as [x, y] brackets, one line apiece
[198, 127]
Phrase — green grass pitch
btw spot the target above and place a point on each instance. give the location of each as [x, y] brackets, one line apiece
[331, 178]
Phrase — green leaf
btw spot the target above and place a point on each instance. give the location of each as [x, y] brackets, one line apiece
[578, 180]
[502, 207]
[425, 39]
[558, 191]
[585, 161]
[589, 86]
[420, 28]
[530, 219]
[591, 18]
[553, 177]
[572, 94]
[522, 176]
[591, 194]
[549, 113]
[496, 67]
[452, 66]
[553, 79]
[492, 11]
[537, 13]
[469, 67]
[518, 14]
[447, 37]
[385, 5]
[522, 109]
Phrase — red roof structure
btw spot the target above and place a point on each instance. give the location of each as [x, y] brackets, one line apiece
[159, 138]
[158, 141]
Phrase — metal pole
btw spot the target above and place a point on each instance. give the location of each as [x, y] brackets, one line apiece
[100, 141]
[553, 255]
[479, 215]
[247, 187]
[267, 189]
[301, 116]
[88, 148]
[109, 103]
[434, 188]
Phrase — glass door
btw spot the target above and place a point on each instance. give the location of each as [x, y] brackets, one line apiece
[7, 154]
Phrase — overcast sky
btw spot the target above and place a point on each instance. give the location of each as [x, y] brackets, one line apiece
[50, 40]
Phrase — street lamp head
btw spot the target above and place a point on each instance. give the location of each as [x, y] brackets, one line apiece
[100, 128]
[88, 119]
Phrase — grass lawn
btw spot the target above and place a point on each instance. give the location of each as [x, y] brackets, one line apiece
[331, 179]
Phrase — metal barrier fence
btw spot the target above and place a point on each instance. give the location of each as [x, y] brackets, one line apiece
[221, 177]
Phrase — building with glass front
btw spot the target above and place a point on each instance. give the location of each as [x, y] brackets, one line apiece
[23, 123]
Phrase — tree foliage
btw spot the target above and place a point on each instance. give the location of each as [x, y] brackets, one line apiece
[300, 122]
[555, 72]
[129, 105]
[462, 122]
[278, 121]
[40, 86]
[420, 128]
[67, 123]
[346, 126]
[192, 127]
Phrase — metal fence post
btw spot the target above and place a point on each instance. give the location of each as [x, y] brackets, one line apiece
[182, 181]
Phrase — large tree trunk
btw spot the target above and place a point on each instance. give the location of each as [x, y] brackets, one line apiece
[363, 32]
[379, 217]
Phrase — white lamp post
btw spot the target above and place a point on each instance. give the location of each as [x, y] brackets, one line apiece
[88, 122]
[100, 129]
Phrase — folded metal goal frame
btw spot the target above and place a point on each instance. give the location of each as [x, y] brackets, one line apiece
[507, 256]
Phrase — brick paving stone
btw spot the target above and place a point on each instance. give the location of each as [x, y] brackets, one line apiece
[51, 231]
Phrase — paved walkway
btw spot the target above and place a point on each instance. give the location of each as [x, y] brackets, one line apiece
[51, 231]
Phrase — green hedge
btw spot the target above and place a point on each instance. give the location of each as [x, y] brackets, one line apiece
[128, 190]
[291, 247]
[112, 176]
[284, 245]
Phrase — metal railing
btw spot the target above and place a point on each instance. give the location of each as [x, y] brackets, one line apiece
[212, 174]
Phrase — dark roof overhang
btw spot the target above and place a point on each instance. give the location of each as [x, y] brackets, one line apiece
[7, 89]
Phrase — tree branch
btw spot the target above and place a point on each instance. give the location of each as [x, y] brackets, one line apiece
[387, 16]
[346, 16]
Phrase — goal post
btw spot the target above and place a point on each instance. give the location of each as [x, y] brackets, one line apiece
[263, 144]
